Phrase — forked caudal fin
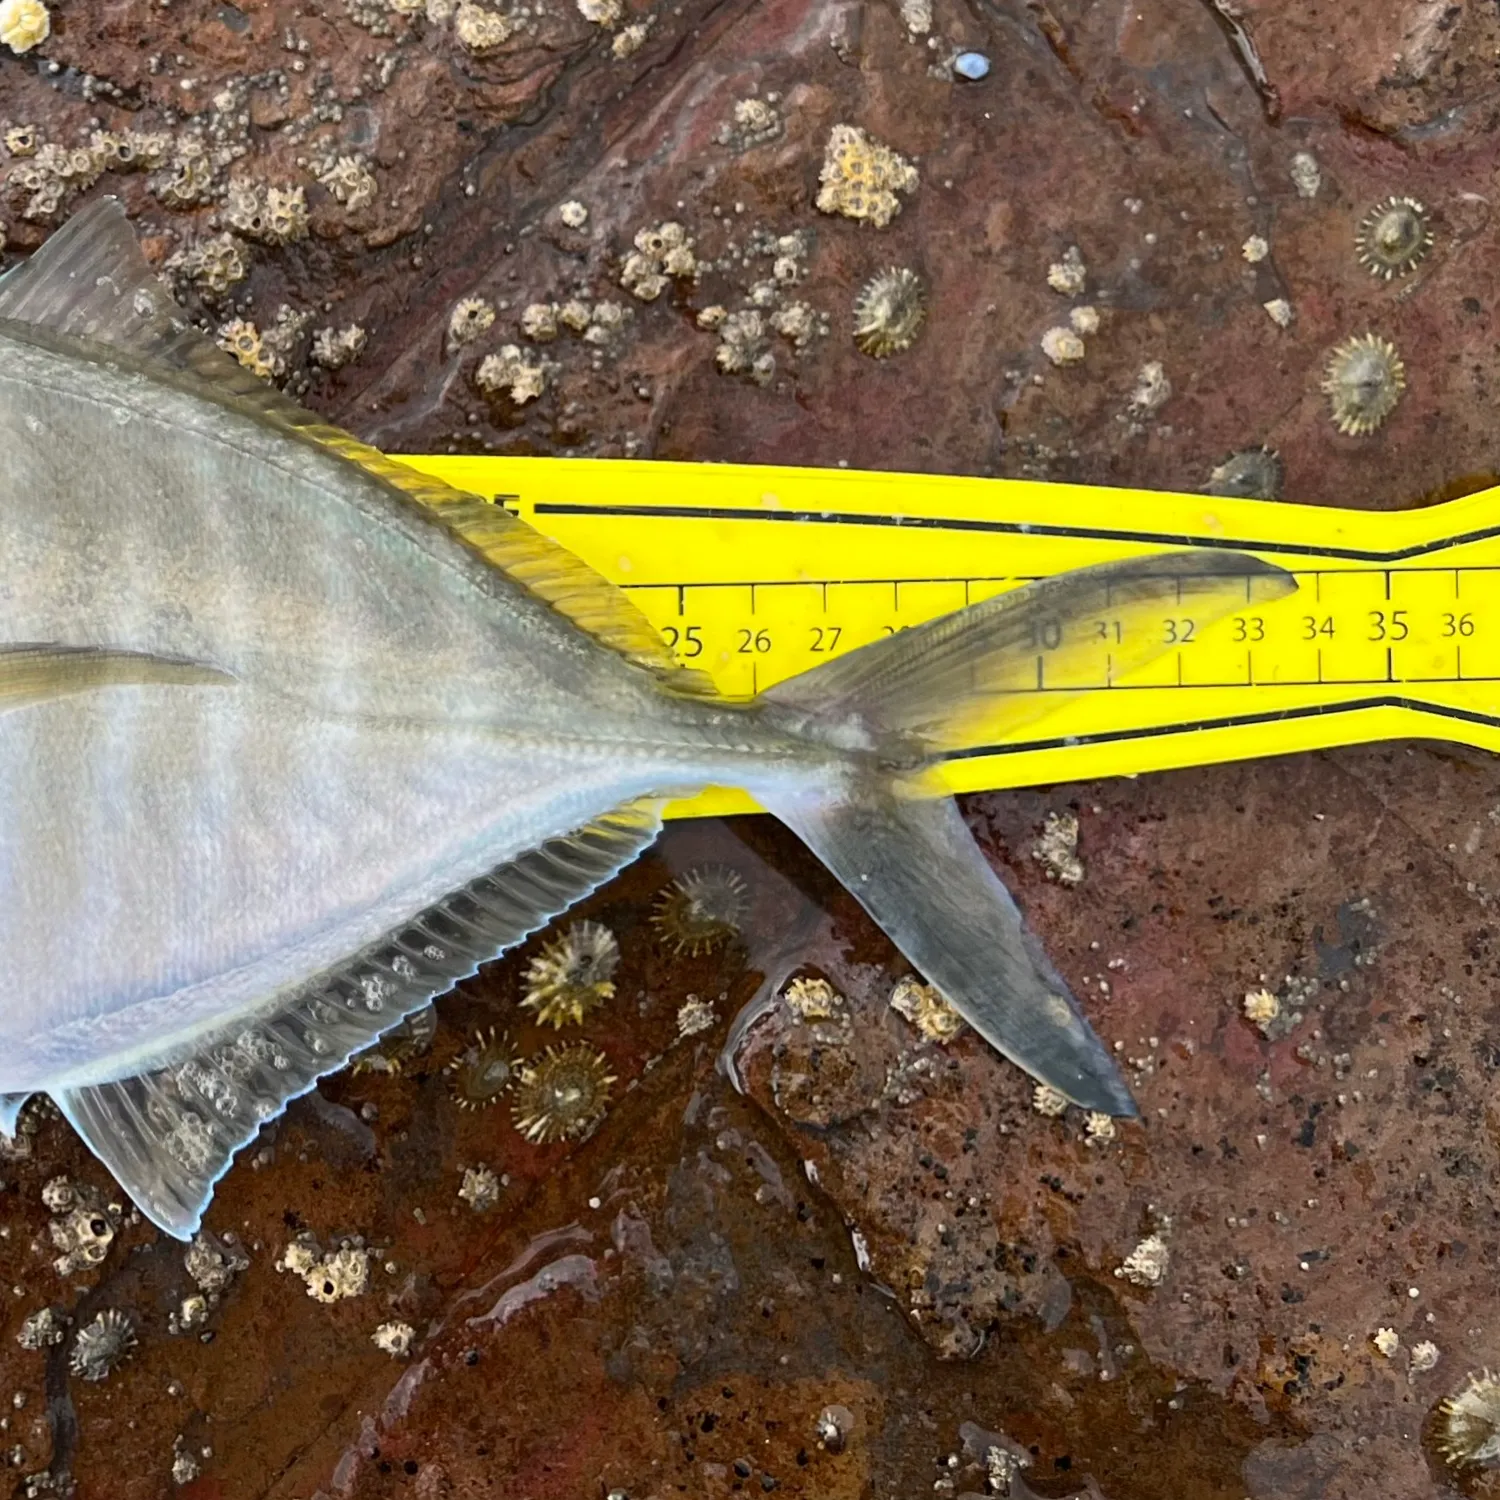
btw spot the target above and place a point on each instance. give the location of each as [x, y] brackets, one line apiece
[905, 851]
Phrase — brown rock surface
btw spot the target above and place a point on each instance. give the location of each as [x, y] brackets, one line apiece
[676, 1305]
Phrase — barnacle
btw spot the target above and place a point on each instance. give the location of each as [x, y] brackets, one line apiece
[471, 316]
[24, 24]
[101, 1346]
[601, 12]
[1046, 1100]
[480, 1188]
[351, 182]
[42, 1328]
[1394, 237]
[860, 177]
[394, 1339]
[484, 1071]
[630, 39]
[1363, 381]
[242, 339]
[571, 976]
[395, 1048]
[888, 312]
[1470, 1431]
[1057, 849]
[1249, 473]
[1262, 1009]
[563, 1094]
[573, 214]
[22, 140]
[539, 322]
[1147, 1264]
[1068, 275]
[695, 1014]
[701, 910]
[1062, 346]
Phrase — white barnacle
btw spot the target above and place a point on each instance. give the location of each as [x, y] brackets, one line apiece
[1363, 381]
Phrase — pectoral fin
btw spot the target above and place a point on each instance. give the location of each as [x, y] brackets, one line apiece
[39, 673]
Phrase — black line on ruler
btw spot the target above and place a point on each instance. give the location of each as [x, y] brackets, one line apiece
[1390, 667]
[1230, 721]
[1015, 528]
[1387, 573]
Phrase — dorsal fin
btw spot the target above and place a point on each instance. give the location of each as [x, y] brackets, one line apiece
[90, 281]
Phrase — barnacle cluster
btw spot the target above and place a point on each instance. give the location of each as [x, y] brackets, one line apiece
[1394, 237]
[272, 215]
[484, 1071]
[1469, 1435]
[1063, 346]
[1057, 849]
[888, 312]
[340, 1273]
[926, 1010]
[333, 348]
[572, 975]
[813, 999]
[480, 29]
[661, 254]
[24, 24]
[212, 265]
[187, 178]
[860, 177]
[102, 1345]
[701, 909]
[1363, 381]
[752, 122]
[350, 181]
[743, 346]
[563, 1094]
[1249, 473]
[82, 1227]
[596, 325]
[510, 373]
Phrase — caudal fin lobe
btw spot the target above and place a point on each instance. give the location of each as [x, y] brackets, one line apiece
[906, 853]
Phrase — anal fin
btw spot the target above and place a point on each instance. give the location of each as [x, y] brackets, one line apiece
[168, 1135]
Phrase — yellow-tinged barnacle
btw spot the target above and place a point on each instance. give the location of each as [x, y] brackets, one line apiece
[701, 910]
[1394, 237]
[563, 1094]
[1363, 381]
[889, 311]
[483, 1073]
[1469, 1434]
[395, 1048]
[24, 24]
[572, 975]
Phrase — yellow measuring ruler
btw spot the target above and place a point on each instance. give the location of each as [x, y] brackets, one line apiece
[755, 574]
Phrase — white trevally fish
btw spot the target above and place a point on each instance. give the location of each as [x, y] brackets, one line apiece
[292, 739]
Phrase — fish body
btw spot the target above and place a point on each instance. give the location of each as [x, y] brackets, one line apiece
[291, 739]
